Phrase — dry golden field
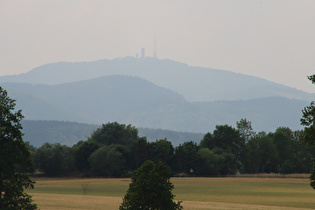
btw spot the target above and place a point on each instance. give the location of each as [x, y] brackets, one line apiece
[196, 193]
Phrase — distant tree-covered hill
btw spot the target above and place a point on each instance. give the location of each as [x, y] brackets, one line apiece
[132, 100]
[193, 83]
[38, 132]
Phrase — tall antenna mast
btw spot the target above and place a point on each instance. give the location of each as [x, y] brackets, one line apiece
[155, 47]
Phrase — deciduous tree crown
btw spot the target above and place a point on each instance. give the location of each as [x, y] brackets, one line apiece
[15, 158]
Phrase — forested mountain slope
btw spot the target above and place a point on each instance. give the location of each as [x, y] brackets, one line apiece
[110, 98]
[38, 132]
[193, 83]
[132, 100]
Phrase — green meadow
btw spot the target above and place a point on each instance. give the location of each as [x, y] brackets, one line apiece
[196, 193]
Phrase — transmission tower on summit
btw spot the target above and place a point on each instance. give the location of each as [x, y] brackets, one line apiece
[155, 56]
[142, 52]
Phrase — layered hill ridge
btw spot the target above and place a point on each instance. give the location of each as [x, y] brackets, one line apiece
[195, 84]
[153, 93]
[38, 132]
[132, 100]
[108, 98]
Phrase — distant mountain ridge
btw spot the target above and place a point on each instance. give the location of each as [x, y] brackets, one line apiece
[108, 98]
[132, 100]
[195, 84]
[38, 132]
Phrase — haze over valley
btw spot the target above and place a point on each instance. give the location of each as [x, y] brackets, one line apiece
[153, 93]
[161, 96]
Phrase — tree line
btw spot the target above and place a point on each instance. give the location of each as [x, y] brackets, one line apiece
[115, 150]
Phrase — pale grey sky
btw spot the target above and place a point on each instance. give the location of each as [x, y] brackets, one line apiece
[272, 39]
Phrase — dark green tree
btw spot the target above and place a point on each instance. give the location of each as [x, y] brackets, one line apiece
[107, 162]
[260, 155]
[15, 158]
[303, 154]
[55, 160]
[308, 120]
[228, 163]
[210, 163]
[312, 177]
[161, 150]
[151, 188]
[207, 141]
[245, 129]
[115, 133]
[82, 151]
[229, 139]
[125, 151]
[283, 139]
[186, 158]
[139, 152]
[226, 141]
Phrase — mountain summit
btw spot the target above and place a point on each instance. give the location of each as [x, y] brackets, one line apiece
[153, 93]
[196, 84]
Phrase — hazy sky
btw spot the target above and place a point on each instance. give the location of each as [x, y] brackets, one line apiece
[272, 39]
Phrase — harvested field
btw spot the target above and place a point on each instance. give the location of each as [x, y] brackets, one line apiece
[76, 202]
[196, 193]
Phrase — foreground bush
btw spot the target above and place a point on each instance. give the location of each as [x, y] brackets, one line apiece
[151, 188]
